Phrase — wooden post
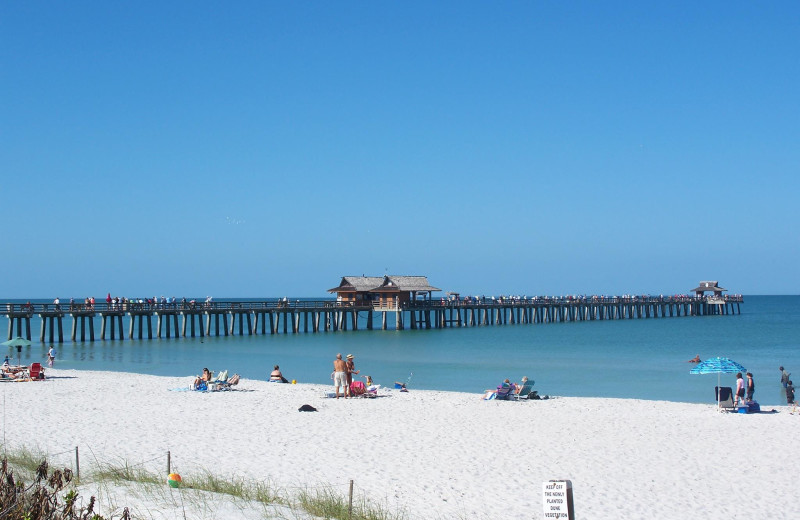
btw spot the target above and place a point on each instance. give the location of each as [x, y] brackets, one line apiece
[77, 464]
[169, 466]
[350, 507]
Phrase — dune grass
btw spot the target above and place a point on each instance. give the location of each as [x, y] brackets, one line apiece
[317, 502]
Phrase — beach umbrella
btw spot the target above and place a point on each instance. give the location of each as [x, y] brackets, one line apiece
[718, 365]
[17, 342]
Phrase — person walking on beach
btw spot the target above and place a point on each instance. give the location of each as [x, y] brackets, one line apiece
[351, 369]
[340, 376]
[51, 356]
[739, 389]
[751, 386]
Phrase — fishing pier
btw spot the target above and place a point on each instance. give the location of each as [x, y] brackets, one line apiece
[392, 305]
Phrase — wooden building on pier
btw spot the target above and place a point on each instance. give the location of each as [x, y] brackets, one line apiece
[387, 292]
[709, 286]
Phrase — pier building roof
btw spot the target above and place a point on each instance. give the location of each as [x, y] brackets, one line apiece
[357, 284]
[712, 285]
[383, 284]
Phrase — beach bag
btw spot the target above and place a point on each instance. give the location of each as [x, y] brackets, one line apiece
[357, 388]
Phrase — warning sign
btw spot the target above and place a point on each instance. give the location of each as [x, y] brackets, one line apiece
[557, 500]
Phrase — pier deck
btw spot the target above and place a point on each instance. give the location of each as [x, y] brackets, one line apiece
[231, 318]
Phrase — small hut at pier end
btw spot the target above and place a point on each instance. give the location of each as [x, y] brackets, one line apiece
[387, 292]
[710, 286]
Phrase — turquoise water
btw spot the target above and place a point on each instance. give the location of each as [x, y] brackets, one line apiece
[643, 359]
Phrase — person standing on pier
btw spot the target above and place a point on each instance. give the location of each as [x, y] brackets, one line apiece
[340, 376]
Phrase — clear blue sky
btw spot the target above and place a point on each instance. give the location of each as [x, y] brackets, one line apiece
[268, 148]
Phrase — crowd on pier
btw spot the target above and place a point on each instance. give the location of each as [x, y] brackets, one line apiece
[582, 298]
[122, 303]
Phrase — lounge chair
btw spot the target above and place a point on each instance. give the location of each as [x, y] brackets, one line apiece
[522, 391]
[228, 384]
[35, 372]
[724, 396]
[357, 389]
[221, 378]
[504, 392]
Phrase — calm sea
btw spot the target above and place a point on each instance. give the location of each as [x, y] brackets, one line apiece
[642, 359]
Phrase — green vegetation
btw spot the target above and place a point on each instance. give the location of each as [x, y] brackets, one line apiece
[54, 496]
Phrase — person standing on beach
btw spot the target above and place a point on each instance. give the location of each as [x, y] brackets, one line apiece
[739, 389]
[351, 369]
[340, 375]
[51, 356]
[751, 386]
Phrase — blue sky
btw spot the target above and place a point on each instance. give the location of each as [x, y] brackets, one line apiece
[268, 148]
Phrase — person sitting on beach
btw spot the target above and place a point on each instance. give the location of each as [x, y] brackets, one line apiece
[696, 359]
[276, 376]
[204, 378]
[493, 394]
[518, 388]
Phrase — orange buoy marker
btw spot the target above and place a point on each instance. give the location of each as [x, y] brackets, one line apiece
[174, 480]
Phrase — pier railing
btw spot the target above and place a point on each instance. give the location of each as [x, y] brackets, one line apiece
[15, 309]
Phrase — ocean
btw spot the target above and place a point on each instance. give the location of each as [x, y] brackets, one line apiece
[637, 359]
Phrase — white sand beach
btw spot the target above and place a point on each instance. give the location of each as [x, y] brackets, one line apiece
[433, 454]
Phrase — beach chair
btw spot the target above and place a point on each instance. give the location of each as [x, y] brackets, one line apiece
[228, 383]
[221, 379]
[504, 392]
[724, 396]
[35, 372]
[357, 389]
[522, 391]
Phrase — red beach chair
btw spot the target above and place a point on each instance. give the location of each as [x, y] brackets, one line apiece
[35, 372]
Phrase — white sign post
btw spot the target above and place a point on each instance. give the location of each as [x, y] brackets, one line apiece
[557, 500]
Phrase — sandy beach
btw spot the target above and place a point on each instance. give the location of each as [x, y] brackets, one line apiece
[432, 454]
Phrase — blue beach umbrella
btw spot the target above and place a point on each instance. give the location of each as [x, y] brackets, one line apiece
[718, 365]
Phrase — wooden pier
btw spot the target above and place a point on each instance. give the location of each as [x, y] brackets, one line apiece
[232, 318]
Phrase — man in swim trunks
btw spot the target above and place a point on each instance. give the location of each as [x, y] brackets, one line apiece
[340, 375]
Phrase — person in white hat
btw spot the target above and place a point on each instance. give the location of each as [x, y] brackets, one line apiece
[351, 369]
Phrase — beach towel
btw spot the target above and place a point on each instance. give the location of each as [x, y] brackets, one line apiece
[306, 408]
